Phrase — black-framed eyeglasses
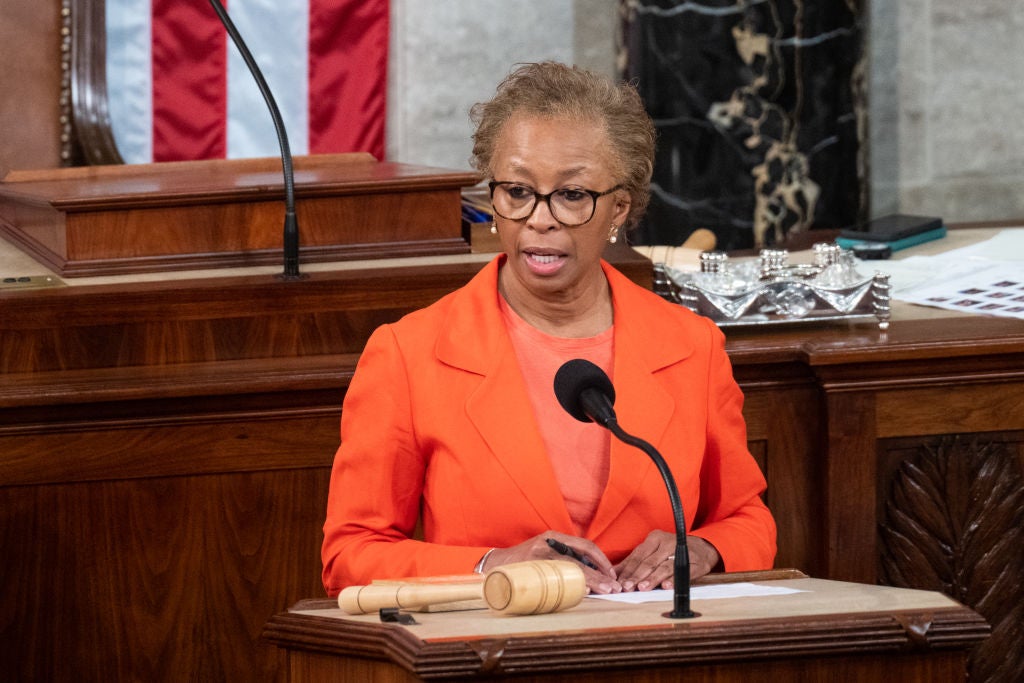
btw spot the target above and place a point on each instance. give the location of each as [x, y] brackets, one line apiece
[570, 206]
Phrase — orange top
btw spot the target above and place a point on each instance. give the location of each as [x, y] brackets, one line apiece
[579, 451]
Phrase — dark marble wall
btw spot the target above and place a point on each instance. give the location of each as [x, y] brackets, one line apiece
[760, 111]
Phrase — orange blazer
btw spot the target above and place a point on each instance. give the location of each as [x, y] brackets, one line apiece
[437, 426]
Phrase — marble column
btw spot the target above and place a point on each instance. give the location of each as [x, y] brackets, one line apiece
[761, 115]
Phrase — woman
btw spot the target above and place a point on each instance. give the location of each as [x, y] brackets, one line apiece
[451, 418]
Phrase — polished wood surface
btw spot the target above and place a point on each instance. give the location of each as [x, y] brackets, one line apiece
[221, 213]
[166, 447]
[830, 631]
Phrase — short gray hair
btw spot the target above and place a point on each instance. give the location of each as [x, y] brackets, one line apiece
[550, 89]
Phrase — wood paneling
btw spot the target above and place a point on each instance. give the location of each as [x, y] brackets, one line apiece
[224, 319]
[211, 320]
[148, 537]
[172, 446]
[782, 437]
[951, 513]
[849, 469]
[895, 667]
[159, 578]
[966, 408]
[165, 450]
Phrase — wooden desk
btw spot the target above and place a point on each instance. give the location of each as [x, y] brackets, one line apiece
[166, 442]
[832, 631]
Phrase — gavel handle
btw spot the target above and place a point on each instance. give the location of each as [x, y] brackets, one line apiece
[367, 599]
[702, 239]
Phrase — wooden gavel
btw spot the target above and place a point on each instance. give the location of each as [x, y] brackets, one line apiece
[534, 587]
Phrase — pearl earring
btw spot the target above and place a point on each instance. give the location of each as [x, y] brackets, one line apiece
[494, 228]
[614, 236]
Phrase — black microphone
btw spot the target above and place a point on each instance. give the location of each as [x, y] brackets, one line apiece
[587, 394]
[291, 223]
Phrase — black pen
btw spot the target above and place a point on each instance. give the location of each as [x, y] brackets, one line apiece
[563, 549]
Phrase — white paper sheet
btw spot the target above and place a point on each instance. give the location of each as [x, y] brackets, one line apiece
[710, 592]
[985, 278]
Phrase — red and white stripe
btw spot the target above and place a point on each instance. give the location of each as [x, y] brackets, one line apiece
[179, 89]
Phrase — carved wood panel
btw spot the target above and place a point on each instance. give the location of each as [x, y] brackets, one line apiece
[952, 520]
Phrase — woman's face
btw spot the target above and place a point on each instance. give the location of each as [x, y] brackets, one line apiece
[545, 257]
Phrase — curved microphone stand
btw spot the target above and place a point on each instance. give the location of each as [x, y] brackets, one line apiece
[681, 561]
[586, 393]
[291, 223]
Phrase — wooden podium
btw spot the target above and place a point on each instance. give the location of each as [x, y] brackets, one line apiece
[828, 632]
[107, 220]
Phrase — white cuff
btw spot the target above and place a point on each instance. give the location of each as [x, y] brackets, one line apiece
[479, 568]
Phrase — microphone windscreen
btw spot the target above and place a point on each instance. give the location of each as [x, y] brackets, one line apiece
[576, 376]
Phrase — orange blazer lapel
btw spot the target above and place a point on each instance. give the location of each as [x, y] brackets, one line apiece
[476, 341]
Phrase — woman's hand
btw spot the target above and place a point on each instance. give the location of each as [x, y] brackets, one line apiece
[600, 579]
[651, 564]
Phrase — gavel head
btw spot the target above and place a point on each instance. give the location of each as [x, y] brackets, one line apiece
[534, 587]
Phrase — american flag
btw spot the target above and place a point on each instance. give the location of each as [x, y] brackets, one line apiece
[180, 90]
